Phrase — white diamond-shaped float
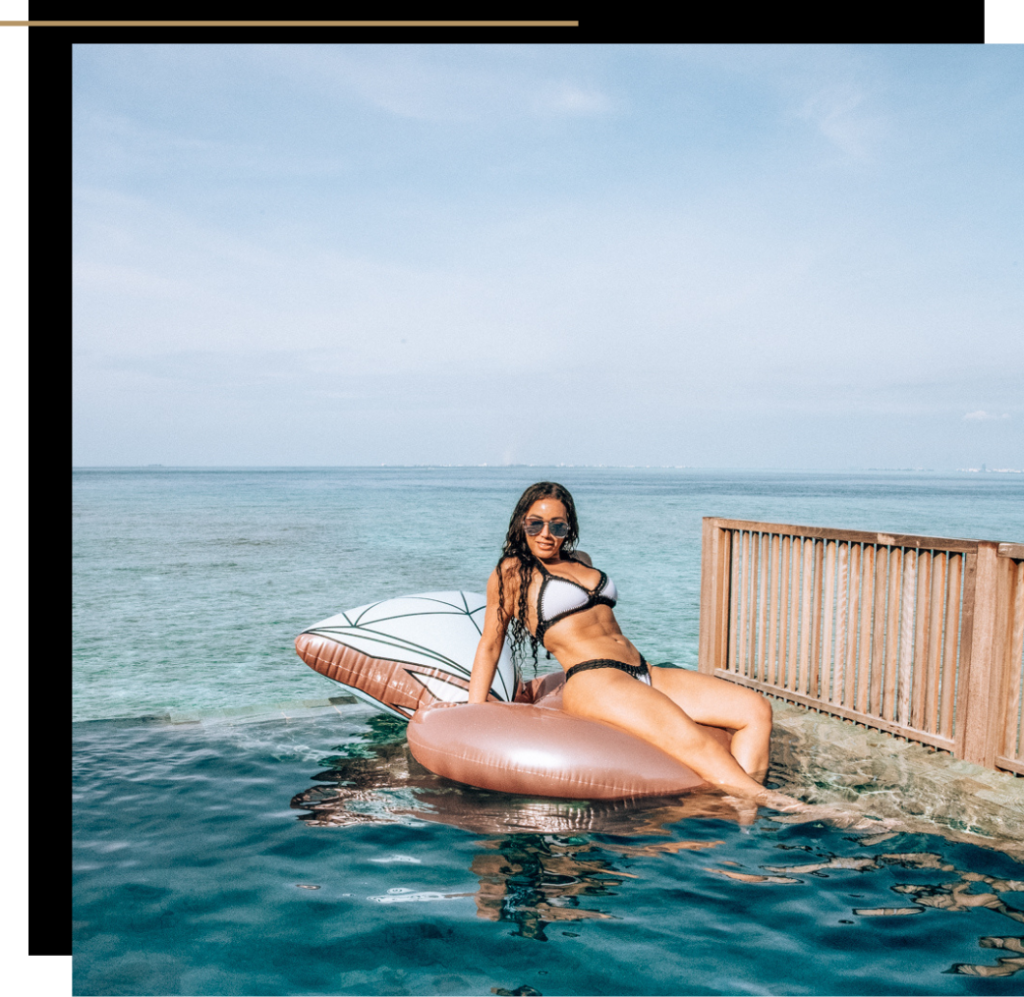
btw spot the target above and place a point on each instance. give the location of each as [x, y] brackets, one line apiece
[433, 631]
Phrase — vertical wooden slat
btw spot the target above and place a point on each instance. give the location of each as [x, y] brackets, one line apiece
[795, 588]
[964, 660]
[877, 667]
[741, 643]
[803, 666]
[755, 574]
[892, 630]
[1012, 746]
[842, 596]
[906, 651]
[821, 657]
[950, 645]
[920, 655]
[933, 665]
[734, 600]
[750, 599]
[757, 665]
[853, 609]
[785, 600]
[866, 606]
[773, 612]
[814, 678]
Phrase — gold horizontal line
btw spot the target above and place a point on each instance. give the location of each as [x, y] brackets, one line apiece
[289, 24]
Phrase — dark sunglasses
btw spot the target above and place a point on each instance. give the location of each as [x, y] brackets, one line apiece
[558, 527]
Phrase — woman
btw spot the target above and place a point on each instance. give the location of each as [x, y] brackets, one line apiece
[548, 592]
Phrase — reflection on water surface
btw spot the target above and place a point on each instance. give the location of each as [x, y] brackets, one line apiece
[971, 891]
[546, 862]
[376, 780]
[191, 877]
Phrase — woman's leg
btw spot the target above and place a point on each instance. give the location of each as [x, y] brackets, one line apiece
[646, 712]
[616, 698]
[718, 703]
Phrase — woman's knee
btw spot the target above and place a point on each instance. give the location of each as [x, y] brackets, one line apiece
[757, 710]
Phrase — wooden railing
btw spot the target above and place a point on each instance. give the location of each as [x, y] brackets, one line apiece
[922, 637]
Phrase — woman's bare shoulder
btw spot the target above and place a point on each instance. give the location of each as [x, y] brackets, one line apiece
[583, 557]
[509, 566]
[508, 571]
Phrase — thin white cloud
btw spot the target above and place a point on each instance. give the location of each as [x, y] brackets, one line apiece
[982, 416]
[125, 147]
[570, 99]
[429, 83]
[843, 116]
[125, 280]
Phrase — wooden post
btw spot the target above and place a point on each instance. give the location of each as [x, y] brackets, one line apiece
[981, 707]
[1013, 750]
[714, 597]
[706, 636]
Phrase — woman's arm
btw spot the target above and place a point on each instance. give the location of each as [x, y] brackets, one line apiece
[491, 642]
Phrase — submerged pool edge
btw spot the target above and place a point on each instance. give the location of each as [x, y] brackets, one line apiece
[927, 790]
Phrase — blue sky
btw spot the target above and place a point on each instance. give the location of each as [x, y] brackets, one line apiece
[721, 256]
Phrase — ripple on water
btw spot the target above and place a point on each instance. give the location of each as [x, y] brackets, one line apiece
[216, 858]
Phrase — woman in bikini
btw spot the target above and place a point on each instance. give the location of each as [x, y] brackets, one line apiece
[555, 597]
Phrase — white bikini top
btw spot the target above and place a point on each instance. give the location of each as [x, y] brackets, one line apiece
[561, 597]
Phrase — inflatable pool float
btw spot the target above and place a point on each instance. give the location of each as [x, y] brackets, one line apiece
[412, 657]
[407, 653]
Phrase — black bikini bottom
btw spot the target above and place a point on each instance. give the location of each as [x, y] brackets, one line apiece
[639, 672]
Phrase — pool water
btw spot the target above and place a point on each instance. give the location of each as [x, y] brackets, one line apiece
[312, 855]
[240, 827]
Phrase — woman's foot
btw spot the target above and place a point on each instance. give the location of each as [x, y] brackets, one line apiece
[805, 812]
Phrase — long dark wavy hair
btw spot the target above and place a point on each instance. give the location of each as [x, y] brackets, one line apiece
[517, 548]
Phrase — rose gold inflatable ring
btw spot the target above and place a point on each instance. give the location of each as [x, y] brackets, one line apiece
[538, 750]
[411, 657]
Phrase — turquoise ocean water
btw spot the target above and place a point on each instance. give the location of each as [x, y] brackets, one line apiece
[236, 831]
